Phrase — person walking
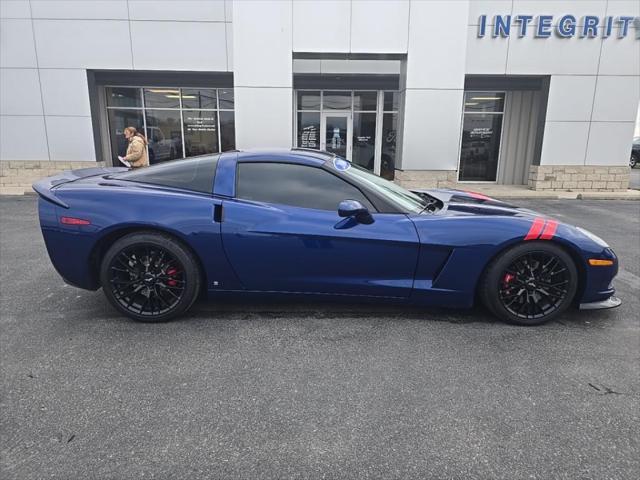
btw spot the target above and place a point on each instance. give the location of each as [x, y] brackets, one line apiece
[136, 156]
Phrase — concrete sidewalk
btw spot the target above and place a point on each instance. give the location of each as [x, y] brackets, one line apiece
[522, 191]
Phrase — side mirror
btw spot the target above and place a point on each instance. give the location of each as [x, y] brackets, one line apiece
[354, 209]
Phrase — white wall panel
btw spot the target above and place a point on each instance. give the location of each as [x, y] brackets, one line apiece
[83, 43]
[623, 7]
[379, 27]
[65, 92]
[564, 143]
[229, 36]
[61, 129]
[14, 9]
[228, 10]
[539, 56]
[262, 44]
[558, 8]
[177, 10]
[20, 92]
[16, 44]
[490, 8]
[570, 98]
[431, 137]
[486, 56]
[23, 138]
[67, 9]
[616, 99]
[263, 117]
[320, 26]
[179, 46]
[620, 56]
[610, 143]
[437, 49]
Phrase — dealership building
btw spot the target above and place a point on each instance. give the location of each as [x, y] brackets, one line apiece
[425, 92]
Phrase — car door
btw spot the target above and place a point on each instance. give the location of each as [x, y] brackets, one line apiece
[282, 233]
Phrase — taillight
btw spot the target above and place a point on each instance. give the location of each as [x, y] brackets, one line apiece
[74, 221]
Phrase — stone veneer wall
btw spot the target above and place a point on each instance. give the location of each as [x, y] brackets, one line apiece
[578, 177]
[426, 178]
[17, 176]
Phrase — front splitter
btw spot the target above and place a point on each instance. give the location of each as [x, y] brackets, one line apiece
[611, 302]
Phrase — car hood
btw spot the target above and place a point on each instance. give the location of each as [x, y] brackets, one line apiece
[461, 202]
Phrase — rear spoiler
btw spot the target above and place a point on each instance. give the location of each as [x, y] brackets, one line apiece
[45, 187]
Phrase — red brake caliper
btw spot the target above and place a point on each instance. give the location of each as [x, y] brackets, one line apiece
[172, 272]
[507, 278]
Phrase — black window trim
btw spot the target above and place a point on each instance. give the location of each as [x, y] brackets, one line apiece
[319, 167]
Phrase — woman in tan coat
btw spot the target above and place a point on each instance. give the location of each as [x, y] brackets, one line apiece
[137, 149]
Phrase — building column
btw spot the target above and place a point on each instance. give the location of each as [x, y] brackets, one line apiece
[432, 91]
[263, 78]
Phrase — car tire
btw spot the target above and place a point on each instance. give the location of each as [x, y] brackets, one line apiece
[633, 162]
[530, 283]
[150, 277]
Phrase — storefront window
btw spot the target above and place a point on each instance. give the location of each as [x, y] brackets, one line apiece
[349, 124]
[365, 101]
[118, 121]
[200, 132]
[336, 100]
[178, 122]
[308, 100]
[391, 101]
[389, 136]
[225, 98]
[199, 98]
[227, 130]
[309, 130]
[481, 132]
[161, 98]
[123, 97]
[164, 134]
[364, 139]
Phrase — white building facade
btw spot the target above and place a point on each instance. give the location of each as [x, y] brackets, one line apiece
[425, 92]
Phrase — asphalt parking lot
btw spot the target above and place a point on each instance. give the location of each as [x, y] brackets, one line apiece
[314, 391]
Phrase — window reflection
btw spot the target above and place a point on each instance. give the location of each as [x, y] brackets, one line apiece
[480, 147]
[172, 113]
[200, 132]
[199, 98]
[364, 139]
[336, 100]
[227, 131]
[118, 121]
[162, 98]
[123, 97]
[164, 134]
[389, 138]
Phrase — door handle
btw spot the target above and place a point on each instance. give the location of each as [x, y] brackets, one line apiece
[217, 213]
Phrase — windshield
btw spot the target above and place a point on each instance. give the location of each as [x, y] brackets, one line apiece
[403, 198]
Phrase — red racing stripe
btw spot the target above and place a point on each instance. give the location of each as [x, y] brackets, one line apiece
[549, 230]
[536, 228]
[478, 196]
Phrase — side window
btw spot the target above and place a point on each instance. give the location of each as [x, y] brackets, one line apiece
[195, 174]
[295, 185]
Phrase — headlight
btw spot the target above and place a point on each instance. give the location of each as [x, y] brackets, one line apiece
[593, 237]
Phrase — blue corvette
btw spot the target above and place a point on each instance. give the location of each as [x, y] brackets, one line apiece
[310, 223]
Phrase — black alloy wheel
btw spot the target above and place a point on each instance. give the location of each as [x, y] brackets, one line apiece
[633, 162]
[530, 284]
[150, 277]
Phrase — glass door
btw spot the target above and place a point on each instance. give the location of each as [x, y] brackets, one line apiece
[481, 134]
[335, 134]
